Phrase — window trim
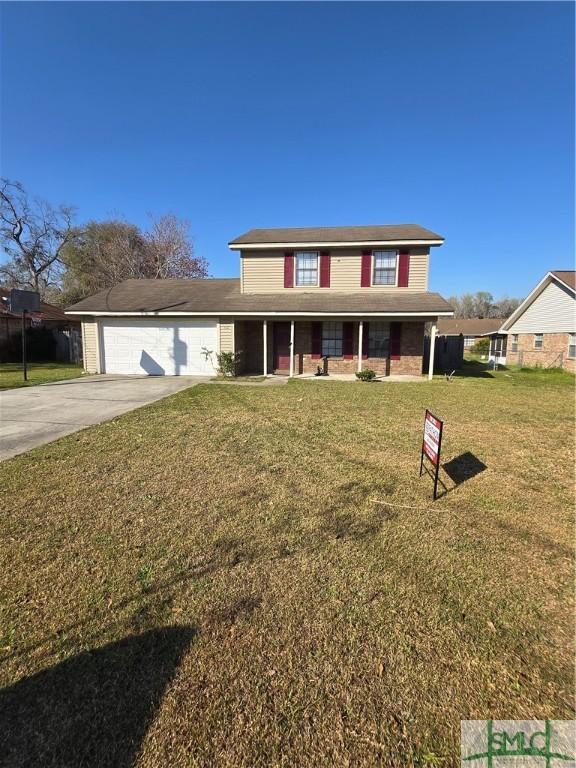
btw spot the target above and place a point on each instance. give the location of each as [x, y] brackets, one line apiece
[573, 336]
[541, 338]
[333, 322]
[372, 268]
[371, 335]
[307, 285]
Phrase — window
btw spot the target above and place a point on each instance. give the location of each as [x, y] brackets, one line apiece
[469, 341]
[514, 347]
[572, 345]
[332, 339]
[307, 268]
[384, 268]
[538, 340]
[378, 339]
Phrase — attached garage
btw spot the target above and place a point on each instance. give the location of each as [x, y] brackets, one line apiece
[158, 347]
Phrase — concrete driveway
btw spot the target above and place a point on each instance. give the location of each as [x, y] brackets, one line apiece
[33, 416]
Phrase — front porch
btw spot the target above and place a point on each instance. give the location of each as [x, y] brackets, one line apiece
[334, 346]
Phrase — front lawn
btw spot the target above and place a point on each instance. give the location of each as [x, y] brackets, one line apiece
[11, 375]
[257, 576]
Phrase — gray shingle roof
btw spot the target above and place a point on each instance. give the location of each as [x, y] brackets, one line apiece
[468, 326]
[224, 297]
[376, 233]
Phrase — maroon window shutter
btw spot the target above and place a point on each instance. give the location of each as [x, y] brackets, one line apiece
[366, 269]
[366, 340]
[289, 270]
[395, 338]
[325, 269]
[348, 341]
[316, 341]
[403, 269]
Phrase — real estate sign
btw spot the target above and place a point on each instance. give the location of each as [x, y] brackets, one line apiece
[431, 445]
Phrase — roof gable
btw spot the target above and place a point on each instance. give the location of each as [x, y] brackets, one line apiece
[564, 280]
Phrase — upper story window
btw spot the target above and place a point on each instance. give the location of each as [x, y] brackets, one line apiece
[306, 268]
[538, 340]
[332, 339]
[572, 345]
[384, 267]
[514, 342]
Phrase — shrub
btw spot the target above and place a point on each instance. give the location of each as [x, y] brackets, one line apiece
[366, 375]
[229, 363]
[482, 347]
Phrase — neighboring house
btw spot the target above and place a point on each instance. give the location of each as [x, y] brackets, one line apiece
[65, 330]
[341, 297]
[471, 329]
[542, 331]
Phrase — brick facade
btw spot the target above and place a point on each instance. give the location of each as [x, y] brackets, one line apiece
[554, 352]
[249, 338]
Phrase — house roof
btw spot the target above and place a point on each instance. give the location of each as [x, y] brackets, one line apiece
[566, 277]
[381, 233]
[468, 326]
[223, 297]
[48, 311]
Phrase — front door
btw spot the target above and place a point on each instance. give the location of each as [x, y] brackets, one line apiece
[281, 346]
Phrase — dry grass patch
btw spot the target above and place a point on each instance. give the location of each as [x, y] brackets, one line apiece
[323, 610]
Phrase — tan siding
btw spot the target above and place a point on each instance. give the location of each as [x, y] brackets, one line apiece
[90, 345]
[419, 266]
[553, 311]
[226, 336]
[264, 272]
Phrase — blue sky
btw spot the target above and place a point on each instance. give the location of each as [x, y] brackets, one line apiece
[457, 116]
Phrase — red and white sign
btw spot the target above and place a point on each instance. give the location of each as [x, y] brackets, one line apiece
[432, 437]
[36, 319]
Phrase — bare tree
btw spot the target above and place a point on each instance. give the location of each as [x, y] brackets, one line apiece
[33, 235]
[482, 304]
[170, 249]
[108, 252]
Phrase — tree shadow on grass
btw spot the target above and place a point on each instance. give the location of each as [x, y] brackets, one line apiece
[93, 709]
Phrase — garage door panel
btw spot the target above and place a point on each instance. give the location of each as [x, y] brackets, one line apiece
[159, 347]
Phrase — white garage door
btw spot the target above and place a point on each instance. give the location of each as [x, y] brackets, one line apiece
[159, 347]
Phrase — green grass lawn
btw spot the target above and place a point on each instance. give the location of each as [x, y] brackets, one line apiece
[11, 375]
[257, 576]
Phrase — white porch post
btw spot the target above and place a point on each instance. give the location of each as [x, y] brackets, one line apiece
[432, 349]
[360, 340]
[265, 338]
[291, 348]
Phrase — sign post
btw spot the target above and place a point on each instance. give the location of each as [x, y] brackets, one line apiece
[24, 302]
[431, 446]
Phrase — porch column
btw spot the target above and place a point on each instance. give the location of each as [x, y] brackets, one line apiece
[291, 348]
[360, 340]
[265, 335]
[432, 349]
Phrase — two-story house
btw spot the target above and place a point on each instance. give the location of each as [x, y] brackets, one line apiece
[342, 298]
